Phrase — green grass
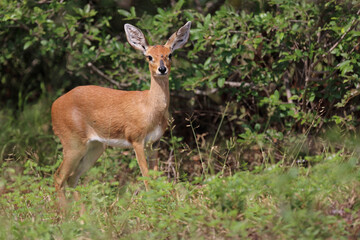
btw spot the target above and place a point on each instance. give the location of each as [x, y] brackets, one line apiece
[275, 200]
[318, 202]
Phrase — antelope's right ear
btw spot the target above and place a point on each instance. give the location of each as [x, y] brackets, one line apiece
[179, 38]
[136, 38]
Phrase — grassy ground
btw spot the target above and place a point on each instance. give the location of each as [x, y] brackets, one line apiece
[276, 202]
[314, 197]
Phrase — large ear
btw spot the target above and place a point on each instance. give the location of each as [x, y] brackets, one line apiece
[136, 38]
[179, 38]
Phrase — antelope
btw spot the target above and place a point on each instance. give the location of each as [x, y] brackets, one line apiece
[89, 118]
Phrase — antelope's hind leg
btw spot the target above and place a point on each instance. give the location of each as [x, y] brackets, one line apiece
[152, 151]
[94, 151]
[71, 158]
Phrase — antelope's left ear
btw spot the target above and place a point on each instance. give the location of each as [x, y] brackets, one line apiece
[179, 38]
[136, 38]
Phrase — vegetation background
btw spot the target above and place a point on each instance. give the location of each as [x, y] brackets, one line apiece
[262, 143]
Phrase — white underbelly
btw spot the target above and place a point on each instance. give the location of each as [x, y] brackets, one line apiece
[152, 136]
[122, 143]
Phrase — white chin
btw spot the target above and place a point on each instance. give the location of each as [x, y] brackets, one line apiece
[161, 74]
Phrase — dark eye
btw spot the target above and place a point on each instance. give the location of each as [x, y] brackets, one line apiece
[150, 58]
[170, 55]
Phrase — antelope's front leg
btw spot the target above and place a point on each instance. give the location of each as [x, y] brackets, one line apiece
[141, 159]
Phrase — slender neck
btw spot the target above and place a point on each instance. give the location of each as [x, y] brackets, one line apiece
[159, 91]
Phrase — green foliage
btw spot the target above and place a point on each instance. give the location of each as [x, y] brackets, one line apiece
[25, 136]
[292, 63]
[277, 203]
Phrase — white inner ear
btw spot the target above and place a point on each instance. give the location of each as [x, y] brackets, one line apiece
[178, 43]
[136, 38]
[181, 37]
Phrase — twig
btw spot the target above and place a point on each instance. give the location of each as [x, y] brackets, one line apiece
[206, 92]
[240, 32]
[169, 162]
[353, 49]
[287, 86]
[238, 84]
[214, 140]
[100, 73]
[70, 36]
[307, 71]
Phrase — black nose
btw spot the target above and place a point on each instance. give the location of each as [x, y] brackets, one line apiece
[162, 69]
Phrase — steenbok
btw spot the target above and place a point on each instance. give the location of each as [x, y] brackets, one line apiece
[89, 118]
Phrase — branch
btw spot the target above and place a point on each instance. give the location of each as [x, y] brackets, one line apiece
[100, 73]
[70, 37]
[207, 92]
[287, 86]
[239, 84]
[355, 47]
